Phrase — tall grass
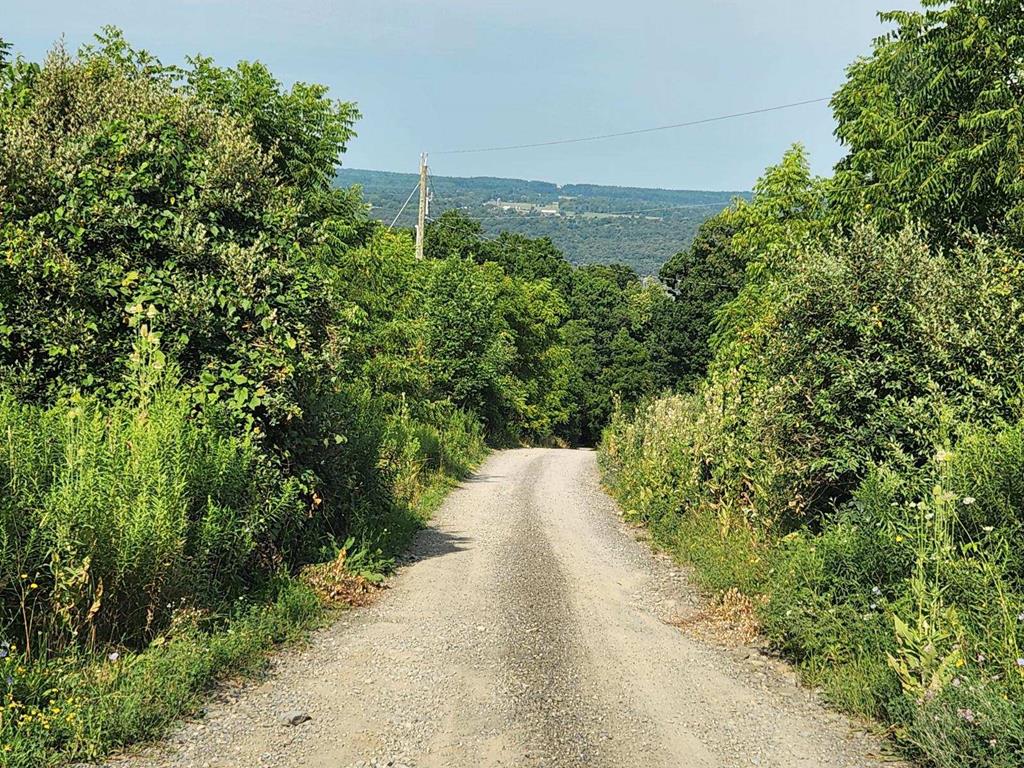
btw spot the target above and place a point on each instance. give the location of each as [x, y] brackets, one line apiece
[142, 556]
[114, 517]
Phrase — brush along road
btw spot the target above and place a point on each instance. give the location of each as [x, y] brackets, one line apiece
[528, 628]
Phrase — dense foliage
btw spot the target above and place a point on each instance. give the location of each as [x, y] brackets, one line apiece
[849, 442]
[934, 120]
[617, 335]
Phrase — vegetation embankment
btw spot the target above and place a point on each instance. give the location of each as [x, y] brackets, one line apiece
[225, 393]
[852, 454]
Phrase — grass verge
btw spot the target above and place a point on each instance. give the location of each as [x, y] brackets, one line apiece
[90, 706]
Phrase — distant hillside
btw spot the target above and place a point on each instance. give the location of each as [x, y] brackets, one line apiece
[589, 222]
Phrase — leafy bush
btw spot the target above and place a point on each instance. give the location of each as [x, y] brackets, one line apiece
[821, 380]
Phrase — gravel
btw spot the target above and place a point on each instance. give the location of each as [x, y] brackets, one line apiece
[529, 627]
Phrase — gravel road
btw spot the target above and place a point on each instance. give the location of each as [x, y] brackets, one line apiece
[528, 628]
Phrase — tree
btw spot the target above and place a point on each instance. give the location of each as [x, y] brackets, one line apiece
[304, 130]
[529, 259]
[615, 349]
[453, 234]
[934, 121]
[742, 242]
[495, 347]
[700, 279]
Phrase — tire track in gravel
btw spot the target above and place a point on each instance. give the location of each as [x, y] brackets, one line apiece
[543, 642]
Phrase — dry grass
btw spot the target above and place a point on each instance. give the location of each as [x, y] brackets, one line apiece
[730, 620]
[335, 585]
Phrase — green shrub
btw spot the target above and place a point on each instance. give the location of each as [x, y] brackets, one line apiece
[855, 353]
[194, 206]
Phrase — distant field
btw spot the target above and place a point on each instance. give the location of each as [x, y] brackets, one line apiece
[589, 222]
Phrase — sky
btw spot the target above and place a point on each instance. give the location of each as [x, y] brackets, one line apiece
[454, 74]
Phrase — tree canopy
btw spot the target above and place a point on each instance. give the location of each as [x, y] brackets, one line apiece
[934, 121]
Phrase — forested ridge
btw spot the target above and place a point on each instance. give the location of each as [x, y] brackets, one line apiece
[229, 395]
[589, 223]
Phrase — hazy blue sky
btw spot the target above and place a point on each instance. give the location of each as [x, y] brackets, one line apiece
[457, 73]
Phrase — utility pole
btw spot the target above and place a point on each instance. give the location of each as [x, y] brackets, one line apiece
[421, 221]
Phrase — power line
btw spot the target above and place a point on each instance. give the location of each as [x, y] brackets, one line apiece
[635, 132]
[400, 210]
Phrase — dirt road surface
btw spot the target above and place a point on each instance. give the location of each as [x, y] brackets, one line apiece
[529, 628]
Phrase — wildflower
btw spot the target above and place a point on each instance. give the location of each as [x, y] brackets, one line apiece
[1020, 662]
[33, 585]
[873, 606]
[5, 649]
[943, 455]
[1020, 616]
[899, 538]
[10, 681]
[876, 591]
[968, 500]
[113, 655]
[980, 658]
[987, 528]
[966, 714]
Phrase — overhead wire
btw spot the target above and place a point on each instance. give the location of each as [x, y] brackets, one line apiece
[600, 137]
[400, 210]
[634, 132]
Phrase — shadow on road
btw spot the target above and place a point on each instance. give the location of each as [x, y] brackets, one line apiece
[431, 542]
